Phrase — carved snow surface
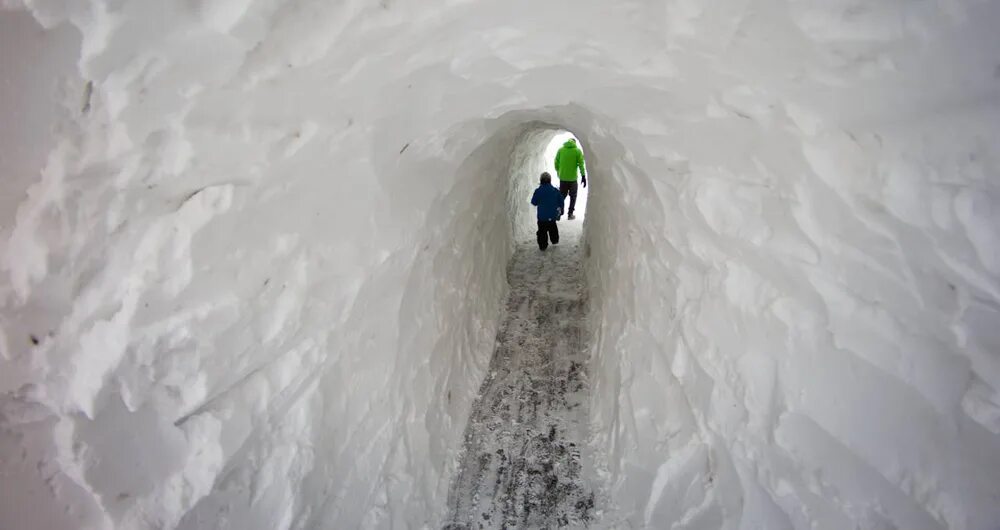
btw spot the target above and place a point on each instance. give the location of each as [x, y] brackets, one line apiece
[521, 466]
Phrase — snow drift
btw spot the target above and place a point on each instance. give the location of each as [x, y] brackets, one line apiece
[254, 251]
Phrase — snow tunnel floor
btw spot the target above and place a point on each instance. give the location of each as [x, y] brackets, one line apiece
[521, 464]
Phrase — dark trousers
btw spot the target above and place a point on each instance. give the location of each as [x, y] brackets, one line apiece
[547, 230]
[569, 188]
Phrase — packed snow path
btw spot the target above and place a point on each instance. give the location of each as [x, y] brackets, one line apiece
[521, 465]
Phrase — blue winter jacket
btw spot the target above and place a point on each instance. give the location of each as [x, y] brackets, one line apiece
[549, 201]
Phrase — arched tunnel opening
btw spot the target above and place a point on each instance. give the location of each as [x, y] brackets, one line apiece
[527, 427]
[256, 256]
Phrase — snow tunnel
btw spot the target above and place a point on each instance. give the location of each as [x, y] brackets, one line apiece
[254, 257]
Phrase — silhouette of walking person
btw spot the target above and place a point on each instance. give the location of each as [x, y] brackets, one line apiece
[569, 158]
[548, 202]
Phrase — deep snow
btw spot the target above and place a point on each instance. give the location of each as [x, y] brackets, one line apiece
[254, 251]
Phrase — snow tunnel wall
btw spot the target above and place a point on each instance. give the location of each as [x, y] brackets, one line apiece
[254, 256]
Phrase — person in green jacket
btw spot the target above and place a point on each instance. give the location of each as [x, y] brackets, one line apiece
[569, 158]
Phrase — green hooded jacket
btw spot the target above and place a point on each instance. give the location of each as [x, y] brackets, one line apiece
[568, 158]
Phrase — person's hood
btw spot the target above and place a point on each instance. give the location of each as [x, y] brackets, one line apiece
[570, 143]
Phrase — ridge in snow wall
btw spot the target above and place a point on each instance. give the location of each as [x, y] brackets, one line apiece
[253, 256]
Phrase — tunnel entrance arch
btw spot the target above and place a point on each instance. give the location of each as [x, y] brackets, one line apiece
[491, 166]
[534, 152]
[531, 410]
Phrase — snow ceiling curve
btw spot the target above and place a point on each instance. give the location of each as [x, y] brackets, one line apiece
[254, 250]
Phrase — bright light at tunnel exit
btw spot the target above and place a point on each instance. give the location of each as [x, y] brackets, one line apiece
[550, 156]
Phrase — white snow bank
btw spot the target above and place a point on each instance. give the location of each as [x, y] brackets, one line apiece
[254, 255]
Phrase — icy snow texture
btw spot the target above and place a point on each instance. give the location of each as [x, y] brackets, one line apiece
[253, 255]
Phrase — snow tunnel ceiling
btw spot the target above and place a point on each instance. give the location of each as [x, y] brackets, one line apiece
[253, 256]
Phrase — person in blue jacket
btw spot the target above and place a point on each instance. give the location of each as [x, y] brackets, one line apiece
[549, 202]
